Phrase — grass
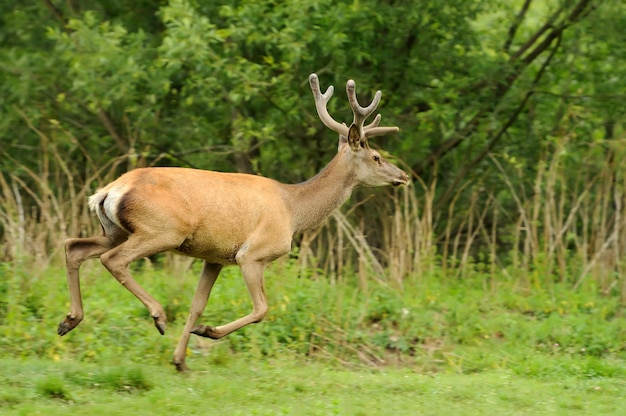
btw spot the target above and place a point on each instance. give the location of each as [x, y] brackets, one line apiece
[428, 322]
[469, 346]
[291, 386]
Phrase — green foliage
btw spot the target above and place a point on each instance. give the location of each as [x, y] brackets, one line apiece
[120, 379]
[505, 258]
[183, 76]
[508, 115]
[434, 324]
[53, 388]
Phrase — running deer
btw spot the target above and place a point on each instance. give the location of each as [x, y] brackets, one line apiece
[223, 219]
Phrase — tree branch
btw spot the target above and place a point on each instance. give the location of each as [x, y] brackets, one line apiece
[515, 26]
[581, 9]
[496, 138]
[504, 85]
[110, 127]
[447, 146]
[530, 42]
[462, 174]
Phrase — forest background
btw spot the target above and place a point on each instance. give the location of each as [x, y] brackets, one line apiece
[511, 117]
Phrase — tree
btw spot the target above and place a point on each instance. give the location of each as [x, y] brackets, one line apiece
[90, 89]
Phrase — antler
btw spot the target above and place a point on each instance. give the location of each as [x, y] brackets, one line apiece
[321, 101]
[360, 113]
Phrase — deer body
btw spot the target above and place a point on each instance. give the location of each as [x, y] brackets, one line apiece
[223, 219]
[199, 223]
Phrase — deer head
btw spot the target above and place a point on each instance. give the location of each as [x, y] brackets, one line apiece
[369, 167]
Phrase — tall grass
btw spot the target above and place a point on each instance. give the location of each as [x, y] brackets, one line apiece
[572, 226]
[434, 324]
[40, 208]
[566, 224]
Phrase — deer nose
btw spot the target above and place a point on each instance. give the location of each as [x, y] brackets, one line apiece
[403, 179]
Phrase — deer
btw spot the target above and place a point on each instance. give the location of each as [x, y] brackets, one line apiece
[223, 219]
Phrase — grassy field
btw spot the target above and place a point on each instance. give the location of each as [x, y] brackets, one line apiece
[475, 346]
[293, 387]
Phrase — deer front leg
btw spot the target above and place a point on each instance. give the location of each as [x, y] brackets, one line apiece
[253, 276]
[200, 298]
[77, 250]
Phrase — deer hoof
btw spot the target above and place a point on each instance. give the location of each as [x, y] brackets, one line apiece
[205, 331]
[160, 325]
[181, 367]
[63, 328]
[68, 324]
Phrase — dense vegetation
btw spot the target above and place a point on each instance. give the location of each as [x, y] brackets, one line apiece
[495, 283]
[511, 117]
[506, 256]
[466, 347]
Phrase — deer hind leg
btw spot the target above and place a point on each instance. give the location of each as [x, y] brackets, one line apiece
[200, 298]
[77, 250]
[253, 276]
[117, 262]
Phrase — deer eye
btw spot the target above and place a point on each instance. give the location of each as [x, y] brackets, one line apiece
[376, 158]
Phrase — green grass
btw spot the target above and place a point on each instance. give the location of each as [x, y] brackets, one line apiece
[438, 346]
[293, 386]
[437, 322]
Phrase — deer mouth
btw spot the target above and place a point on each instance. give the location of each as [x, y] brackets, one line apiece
[400, 181]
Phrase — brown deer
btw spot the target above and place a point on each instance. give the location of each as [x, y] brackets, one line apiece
[223, 219]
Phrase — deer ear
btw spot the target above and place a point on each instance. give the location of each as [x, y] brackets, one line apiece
[354, 137]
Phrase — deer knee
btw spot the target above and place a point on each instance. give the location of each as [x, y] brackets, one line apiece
[112, 264]
[74, 256]
[259, 313]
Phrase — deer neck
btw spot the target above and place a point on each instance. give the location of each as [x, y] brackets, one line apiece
[312, 201]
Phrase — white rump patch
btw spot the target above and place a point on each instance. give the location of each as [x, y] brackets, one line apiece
[107, 211]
